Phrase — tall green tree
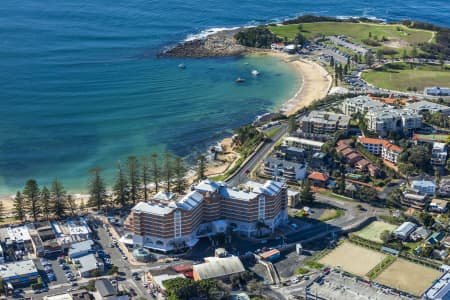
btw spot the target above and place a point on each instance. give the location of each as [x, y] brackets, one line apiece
[46, 201]
[31, 194]
[369, 58]
[292, 123]
[19, 206]
[97, 188]
[134, 178]
[201, 167]
[380, 55]
[414, 54]
[168, 170]
[155, 170]
[179, 170]
[58, 196]
[121, 187]
[306, 195]
[145, 174]
[71, 204]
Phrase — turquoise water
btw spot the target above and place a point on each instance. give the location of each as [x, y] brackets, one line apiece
[80, 85]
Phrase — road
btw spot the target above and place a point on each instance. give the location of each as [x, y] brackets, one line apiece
[241, 175]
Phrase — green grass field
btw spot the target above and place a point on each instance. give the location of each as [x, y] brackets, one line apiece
[357, 32]
[373, 231]
[400, 77]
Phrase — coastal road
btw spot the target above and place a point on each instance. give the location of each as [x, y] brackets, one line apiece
[241, 175]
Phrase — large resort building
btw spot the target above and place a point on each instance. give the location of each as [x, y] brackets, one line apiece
[211, 208]
[323, 122]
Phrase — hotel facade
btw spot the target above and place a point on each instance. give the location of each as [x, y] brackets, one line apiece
[211, 208]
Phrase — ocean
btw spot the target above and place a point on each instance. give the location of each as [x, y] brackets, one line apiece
[81, 86]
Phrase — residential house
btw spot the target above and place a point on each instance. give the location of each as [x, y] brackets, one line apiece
[318, 179]
[403, 231]
[436, 238]
[381, 147]
[412, 198]
[444, 187]
[424, 186]
[419, 234]
[438, 205]
[439, 154]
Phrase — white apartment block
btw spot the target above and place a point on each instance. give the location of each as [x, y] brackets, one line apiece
[383, 121]
[361, 104]
[439, 154]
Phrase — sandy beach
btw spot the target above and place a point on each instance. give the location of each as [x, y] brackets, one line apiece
[316, 82]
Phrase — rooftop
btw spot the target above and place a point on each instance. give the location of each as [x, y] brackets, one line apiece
[80, 247]
[153, 208]
[105, 288]
[164, 196]
[88, 263]
[234, 193]
[17, 268]
[422, 183]
[19, 233]
[423, 106]
[190, 201]
[405, 228]
[218, 267]
[269, 188]
[283, 163]
[303, 141]
[318, 176]
[207, 186]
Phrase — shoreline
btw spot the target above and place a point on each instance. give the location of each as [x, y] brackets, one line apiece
[315, 81]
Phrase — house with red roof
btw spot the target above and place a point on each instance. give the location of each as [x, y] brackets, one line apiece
[318, 179]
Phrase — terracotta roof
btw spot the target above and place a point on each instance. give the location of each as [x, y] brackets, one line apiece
[392, 147]
[362, 163]
[344, 142]
[342, 147]
[353, 155]
[318, 176]
[372, 141]
[348, 151]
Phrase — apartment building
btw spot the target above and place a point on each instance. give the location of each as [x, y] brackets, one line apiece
[383, 121]
[307, 144]
[382, 148]
[421, 107]
[288, 170]
[323, 122]
[209, 209]
[361, 104]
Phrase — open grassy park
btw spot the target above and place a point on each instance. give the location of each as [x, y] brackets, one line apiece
[398, 36]
[352, 258]
[408, 276]
[373, 231]
[400, 76]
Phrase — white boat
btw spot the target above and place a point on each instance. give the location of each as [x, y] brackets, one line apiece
[240, 80]
[181, 66]
[255, 73]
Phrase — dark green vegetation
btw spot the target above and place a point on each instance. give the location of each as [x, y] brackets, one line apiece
[184, 289]
[257, 37]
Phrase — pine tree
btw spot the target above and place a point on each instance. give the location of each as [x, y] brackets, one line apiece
[306, 195]
[201, 167]
[97, 189]
[58, 196]
[121, 186]
[145, 166]
[134, 178]
[45, 200]
[180, 172]
[72, 204]
[155, 170]
[168, 170]
[292, 122]
[31, 195]
[19, 207]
